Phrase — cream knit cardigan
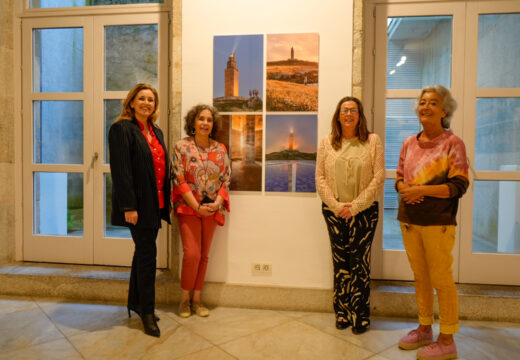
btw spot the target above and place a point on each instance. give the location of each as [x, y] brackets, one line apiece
[372, 175]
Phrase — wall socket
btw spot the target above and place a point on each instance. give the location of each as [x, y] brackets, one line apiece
[263, 269]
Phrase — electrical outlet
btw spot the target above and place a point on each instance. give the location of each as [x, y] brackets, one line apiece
[263, 269]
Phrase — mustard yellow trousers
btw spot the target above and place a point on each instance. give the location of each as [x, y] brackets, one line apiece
[429, 253]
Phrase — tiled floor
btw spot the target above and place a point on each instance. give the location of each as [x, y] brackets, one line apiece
[37, 328]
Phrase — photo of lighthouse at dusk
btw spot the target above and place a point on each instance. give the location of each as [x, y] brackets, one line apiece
[290, 153]
[292, 72]
[237, 73]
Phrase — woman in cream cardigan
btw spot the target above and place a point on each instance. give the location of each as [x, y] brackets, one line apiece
[350, 175]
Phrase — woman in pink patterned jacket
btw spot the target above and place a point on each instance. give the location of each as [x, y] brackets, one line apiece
[200, 194]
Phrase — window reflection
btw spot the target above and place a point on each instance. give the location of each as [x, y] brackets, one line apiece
[419, 51]
[112, 110]
[122, 70]
[58, 132]
[41, 4]
[392, 238]
[58, 60]
[496, 217]
[112, 230]
[498, 51]
[401, 122]
[497, 133]
[58, 203]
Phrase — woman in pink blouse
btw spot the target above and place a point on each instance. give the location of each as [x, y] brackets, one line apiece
[200, 194]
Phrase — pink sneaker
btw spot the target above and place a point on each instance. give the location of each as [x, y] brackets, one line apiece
[438, 351]
[415, 339]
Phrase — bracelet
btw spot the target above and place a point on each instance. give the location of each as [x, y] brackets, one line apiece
[198, 209]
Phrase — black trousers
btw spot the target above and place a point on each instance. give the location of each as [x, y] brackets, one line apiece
[351, 242]
[141, 293]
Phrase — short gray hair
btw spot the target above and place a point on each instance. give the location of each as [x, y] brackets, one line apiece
[449, 104]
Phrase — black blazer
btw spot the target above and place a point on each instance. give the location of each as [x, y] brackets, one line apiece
[134, 186]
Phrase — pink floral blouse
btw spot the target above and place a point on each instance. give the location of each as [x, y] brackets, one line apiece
[204, 172]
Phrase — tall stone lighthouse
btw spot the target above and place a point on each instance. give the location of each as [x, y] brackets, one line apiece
[231, 77]
[291, 139]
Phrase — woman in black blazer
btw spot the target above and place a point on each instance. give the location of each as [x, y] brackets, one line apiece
[140, 192]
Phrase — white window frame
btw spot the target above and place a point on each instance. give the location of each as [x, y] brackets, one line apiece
[23, 13]
[393, 264]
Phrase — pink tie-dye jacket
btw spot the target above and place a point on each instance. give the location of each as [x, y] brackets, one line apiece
[440, 161]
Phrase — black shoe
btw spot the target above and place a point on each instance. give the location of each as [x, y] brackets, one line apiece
[342, 324]
[138, 312]
[358, 330]
[150, 325]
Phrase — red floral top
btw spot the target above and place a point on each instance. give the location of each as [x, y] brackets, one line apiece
[158, 161]
[204, 172]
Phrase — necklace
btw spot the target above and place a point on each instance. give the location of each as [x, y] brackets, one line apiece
[204, 163]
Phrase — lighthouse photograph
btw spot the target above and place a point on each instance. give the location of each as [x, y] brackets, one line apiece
[290, 153]
[237, 73]
[292, 72]
[242, 136]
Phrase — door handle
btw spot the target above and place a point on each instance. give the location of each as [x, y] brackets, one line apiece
[95, 156]
[94, 159]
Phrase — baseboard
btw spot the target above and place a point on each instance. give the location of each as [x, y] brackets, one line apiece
[110, 284]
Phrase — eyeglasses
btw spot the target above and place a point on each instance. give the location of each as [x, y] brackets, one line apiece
[353, 111]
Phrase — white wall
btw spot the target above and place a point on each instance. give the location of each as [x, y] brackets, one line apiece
[286, 230]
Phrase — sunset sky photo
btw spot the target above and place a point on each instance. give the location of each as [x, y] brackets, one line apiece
[278, 128]
[306, 46]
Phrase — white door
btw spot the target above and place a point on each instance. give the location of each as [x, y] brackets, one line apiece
[490, 252]
[76, 71]
[472, 48]
[415, 46]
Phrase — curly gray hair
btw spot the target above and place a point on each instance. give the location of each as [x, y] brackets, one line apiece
[449, 104]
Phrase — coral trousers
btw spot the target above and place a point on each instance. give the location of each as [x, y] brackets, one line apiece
[196, 235]
[429, 253]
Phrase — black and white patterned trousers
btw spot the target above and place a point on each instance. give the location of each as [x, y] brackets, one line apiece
[351, 242]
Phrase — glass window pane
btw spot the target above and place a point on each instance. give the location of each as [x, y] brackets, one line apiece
[419, 52]
[112, 230]
[58, 60]
[130, 56]
[58, 204]
[392, 237]
[401, 122]
[58, 132]
[497, 134]
[112, 111]
[498, 51]
[41, 4]
[496, 217]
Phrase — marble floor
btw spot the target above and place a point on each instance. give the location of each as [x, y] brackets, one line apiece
[47, 328]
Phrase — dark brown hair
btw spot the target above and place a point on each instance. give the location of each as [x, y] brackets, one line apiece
[189, 119]
[127, 113]
[361, 130]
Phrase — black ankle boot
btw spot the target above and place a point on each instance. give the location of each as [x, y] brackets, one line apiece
[358, 330]
[138, 312]
[150, 325]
